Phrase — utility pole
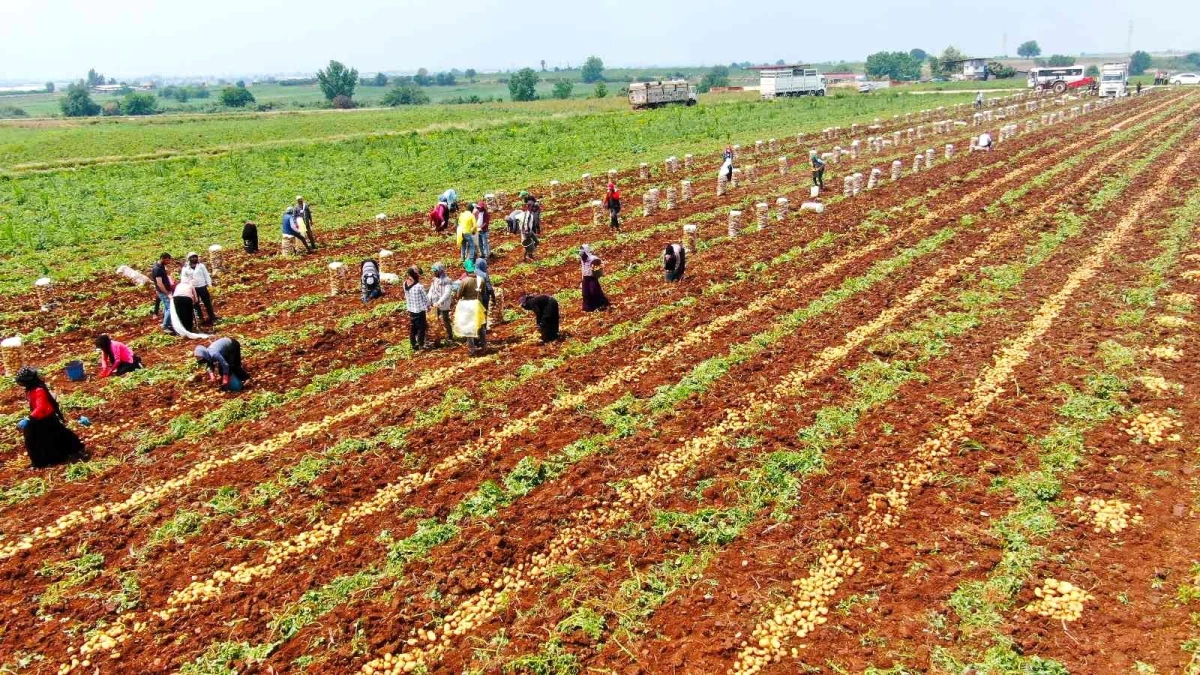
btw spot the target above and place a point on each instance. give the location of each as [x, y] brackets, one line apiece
[1129, 39]
[1004, 45]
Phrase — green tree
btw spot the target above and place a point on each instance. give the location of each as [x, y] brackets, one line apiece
[139, 103]
[919, 55]
[718, 76]
[380, 80]
[1139, 62]
[1000, 71]
[893, 66]
[470, 73]
[337, 80]
[444, 80]
[1060, 61]
[94, 78]
[562, 89]
[600, 91]
[592, 70]
[241, 84]
[1092, 71]
[78, 102]
[236, 97]
[422, 78]
[406, 94]
[49, 87]
[1029, 49]
[1194, 59]
[523, 85]
[946, 63]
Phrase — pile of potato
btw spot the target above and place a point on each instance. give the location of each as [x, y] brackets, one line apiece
[1059, 600]
[1105, 514]
[1151, 428]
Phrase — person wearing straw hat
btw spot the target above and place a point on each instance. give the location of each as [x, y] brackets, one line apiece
[196, 273]
[47, 439]
[304, 214]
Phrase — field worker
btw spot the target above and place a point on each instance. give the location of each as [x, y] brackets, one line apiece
[195, 273]
[115, 357]
[674, 261]
[528, 231]
[441, 297]
[163, 287]
[818, 171]
[545, 313]
[535, 211]
[612, 202]
[482, 220]
[289, 227]
[183, 308]
[466, 235]
[223, 359]
[370, 281]
[488, 295]
[1138, 91]
[591, 270]
[984, 142]
[416, 301]
[470, 317]
[979, 100]
[728, 154]
[47, 438]
[304, 215]
[439, 217]
[250, 237]
[450, 198]
[726, 169]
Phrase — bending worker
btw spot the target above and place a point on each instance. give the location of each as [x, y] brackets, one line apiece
[223, 358]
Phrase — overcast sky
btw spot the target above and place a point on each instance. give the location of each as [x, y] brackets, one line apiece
[61, 39]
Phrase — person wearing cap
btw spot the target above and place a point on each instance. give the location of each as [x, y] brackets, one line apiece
[47, 439]
[163, 286]
[304, 213]
[250, 237]
[223, 359]
[195, 273]
[289, 227]
[482, 220]
[441, 298]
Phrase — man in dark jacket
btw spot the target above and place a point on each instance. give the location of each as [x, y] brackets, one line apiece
[304, 212]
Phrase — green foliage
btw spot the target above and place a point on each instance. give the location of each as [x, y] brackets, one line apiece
[562, 90]
[717, 76]
[337, 80]
[918, 55]
[1029, 49]
[69, 574]
[1000, 71]
[1057, 61]
[943, 65]
[94, 78]
[380, 80]
[78, 102]
[49, 87]
[1092, 71]
[319, 601]
[407, 94]
[592, 70]
[893, 66]
[8, 111]
[553, 659]
[1139, 62]
[236, 97]
[30, 488]
[182, 526]
[600, 91]
[523, 85]
[222, 658]
[139, 103]
[585, 620]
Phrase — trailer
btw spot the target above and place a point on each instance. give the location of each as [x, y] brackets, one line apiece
[795, 80]
[658, 94]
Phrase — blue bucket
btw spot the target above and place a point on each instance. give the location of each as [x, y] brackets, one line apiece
[75, 371]
[234, 383]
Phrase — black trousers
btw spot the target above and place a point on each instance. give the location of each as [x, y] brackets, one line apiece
[206, 300]
[234, 359]
[418, 329]
[819, 177]
[185, 309]
[123, 368]
[614, 214]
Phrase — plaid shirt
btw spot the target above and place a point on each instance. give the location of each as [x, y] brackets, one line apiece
[415, 299]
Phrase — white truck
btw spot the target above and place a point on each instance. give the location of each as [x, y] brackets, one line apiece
[795, 80]
[1114, 80]
[657, 94]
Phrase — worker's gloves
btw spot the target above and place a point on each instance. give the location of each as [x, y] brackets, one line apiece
[212, 377]
[224, 381]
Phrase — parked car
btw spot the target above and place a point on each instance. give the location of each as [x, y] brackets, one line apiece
[1185, 78]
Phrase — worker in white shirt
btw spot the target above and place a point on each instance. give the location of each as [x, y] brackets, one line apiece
[984, 142]
[195, 273]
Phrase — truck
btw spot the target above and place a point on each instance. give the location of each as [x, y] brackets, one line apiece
[1114, 79]
[657, 94]
[795, 80]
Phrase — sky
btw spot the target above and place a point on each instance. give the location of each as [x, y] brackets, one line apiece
[60, 39]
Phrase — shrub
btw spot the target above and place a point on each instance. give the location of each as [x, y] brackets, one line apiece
[717, 77]
[139, 103]
[600, 91]
[562, 90]
[236, 97]
[337, 80]
[111, 109]
[12, 111]
[408, 94]
[523, 85]
[592, 70]
[78, 102]
[1001, 71]
[343, 102]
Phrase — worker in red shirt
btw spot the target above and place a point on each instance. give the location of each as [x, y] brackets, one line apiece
[47, 438]
[612, 202]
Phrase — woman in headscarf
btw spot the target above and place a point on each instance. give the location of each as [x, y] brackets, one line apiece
[250, 237]
[590, 268]
[674, 261]
[612, 202]
[115, 357]
[369, 280]
[183, 311]
[489, 291]
[470, 317]
[223, 358]
[441, 297]
[545, 312]
[47, 438]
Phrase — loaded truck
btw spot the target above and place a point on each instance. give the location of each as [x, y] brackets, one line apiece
[1114, 79]
[658, 94]
[797, 80]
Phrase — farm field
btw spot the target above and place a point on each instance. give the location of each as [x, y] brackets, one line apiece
[947, 424]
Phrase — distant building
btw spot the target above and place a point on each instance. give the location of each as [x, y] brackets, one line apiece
[841, 79]
[972, 69]
[113, 88]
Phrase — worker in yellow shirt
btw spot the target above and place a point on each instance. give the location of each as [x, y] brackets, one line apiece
[467, 229]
